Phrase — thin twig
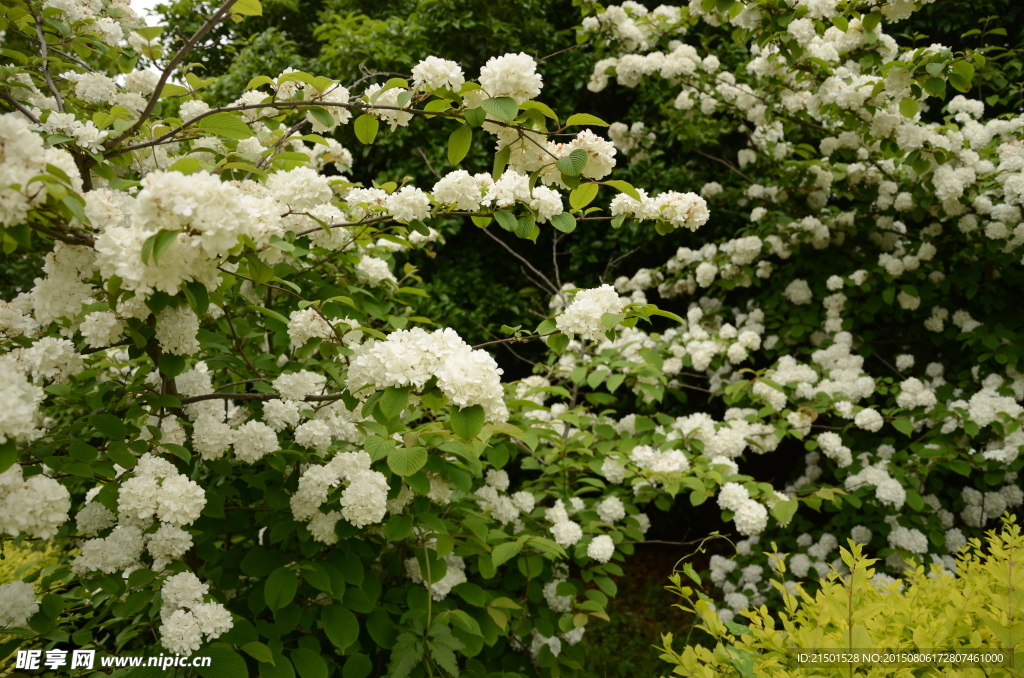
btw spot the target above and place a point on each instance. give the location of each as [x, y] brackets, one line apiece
[724, 162]
[554, 290]
[44, 53]
[207, 26]
[17, 104]
[427, 160]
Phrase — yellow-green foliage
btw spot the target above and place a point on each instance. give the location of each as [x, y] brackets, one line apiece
[23, 559]
[981, 607]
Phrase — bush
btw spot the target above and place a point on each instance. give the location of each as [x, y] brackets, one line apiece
[980, 607]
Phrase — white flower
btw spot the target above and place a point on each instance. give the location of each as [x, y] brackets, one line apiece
[176, 330]
[437, 74]
[511, 75]
[601, 548]
[567, 532]
[611, 509]
[254, 440]
[17, 604]
[375, 270]
[584, 315]
[181, 633]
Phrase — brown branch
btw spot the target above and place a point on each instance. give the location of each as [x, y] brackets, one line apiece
[724, 162]
[331, 397]
[17, 104]
[44, 53]
[510, 340]
[518, 256]
[75, 238]
[217, 17]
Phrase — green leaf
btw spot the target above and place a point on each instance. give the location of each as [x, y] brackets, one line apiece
[225, 125]
[610, 320]
[378, 447]
[935, 87]
[959, 82]
[784, 511]
[398, 528]
[341, 626]
[259, 652]
[280, 588]
[506, 220]
[504, 552]
[393, 400]
[623, 187]
[573, 163]
[198, 297]
[281, 668]
[405, 460]
[322, 116]
[459, 143]
[585, 119]
[357, 666]
[109, 425]
[224, 662]
[308, 664]
[171, 365]
[247, 8]
[475, 116]
[583, 195]
[467, 422]
[504, 108]
[909, 107]
[186, 165]
[365, 128]
[871, 21]
[564, 222]
[157, 244]
[904, 426]
[557, 342]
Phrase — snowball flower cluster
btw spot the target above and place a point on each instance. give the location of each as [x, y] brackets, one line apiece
[187, 619]
[37, 505]
[584, 316]
[412, 357]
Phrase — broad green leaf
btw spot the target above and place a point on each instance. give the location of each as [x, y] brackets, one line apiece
[585, 119]
[504, 552]
[573, 164]
[323, 116]
[341, 626]
[186, 165]
[398, 528]
[357, 666]
[280, 588]
[308, 664]
[623, 187]
[365, 128]
[506, 220]
[504, 108]
[784, 511]
[583, 195]
[224, 662]
[564, 222]
[247, 8]
[227, 125]
[110, 426]
[909, 107]
[393, 400]
[475, 116]
[259, 652]
[459, 143]
[405, 461]
[467, 422]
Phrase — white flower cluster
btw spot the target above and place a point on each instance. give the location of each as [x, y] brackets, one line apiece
[17, 604]
[413, 357]
[584, 316]
[749, 516]
[187, 619]
[37, 505]
[363, 501]
[155, 492]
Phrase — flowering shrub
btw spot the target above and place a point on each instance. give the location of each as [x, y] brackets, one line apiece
[864, 610]
[219, 391]
[852, 308]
